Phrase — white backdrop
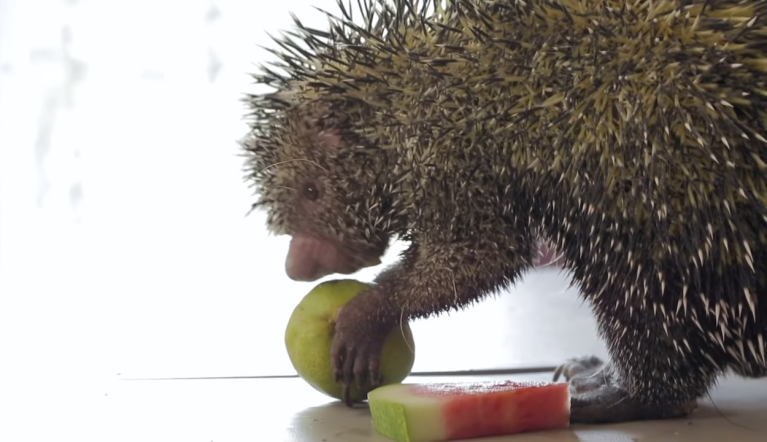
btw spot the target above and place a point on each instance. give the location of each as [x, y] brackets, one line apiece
[124, 239]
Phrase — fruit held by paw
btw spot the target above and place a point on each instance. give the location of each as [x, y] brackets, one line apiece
[309, 336]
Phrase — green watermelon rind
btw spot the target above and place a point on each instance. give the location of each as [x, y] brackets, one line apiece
[390, 420]
[418, 421]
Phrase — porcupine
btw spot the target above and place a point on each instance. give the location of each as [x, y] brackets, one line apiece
[627, 133]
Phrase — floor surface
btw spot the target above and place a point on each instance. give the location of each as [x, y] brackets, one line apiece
[288, 410]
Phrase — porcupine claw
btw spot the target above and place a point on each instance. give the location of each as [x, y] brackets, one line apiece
[583, 373]
[356, 349]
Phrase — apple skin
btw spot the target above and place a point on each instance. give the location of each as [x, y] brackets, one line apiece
[309, 337]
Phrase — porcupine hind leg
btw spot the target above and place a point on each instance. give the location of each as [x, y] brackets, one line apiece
[599, 396]
[657, 369]
[751, 371]
[752, 361]
[752, 320]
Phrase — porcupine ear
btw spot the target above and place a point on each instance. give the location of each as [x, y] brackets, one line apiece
[319, 128]
[327, 140]
[315, 127]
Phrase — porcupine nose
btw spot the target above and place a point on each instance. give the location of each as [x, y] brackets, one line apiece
[302, 270]
[301, 263]
[303, 273]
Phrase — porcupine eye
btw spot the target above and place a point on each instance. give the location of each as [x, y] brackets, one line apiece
[311, 192]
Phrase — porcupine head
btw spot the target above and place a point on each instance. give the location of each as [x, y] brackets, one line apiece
[319, 182]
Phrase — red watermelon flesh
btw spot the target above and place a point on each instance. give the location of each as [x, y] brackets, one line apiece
[450, 411]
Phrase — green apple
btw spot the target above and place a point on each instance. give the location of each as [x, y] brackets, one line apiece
[309, 337]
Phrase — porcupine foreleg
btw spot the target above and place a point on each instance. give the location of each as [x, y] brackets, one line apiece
[433, 277]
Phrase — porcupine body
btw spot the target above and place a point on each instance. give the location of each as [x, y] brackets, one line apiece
[628, 133]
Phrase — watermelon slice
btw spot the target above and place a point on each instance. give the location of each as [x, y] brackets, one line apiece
[449, 411]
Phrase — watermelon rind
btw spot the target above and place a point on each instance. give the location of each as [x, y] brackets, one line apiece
[389, 420]
[419, 421]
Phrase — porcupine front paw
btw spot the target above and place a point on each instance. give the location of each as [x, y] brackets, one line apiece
[356, 349]
[598, 397]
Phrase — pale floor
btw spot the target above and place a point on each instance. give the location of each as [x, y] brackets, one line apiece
[288, 410]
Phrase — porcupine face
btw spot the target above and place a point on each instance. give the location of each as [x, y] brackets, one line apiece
[314, 188]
